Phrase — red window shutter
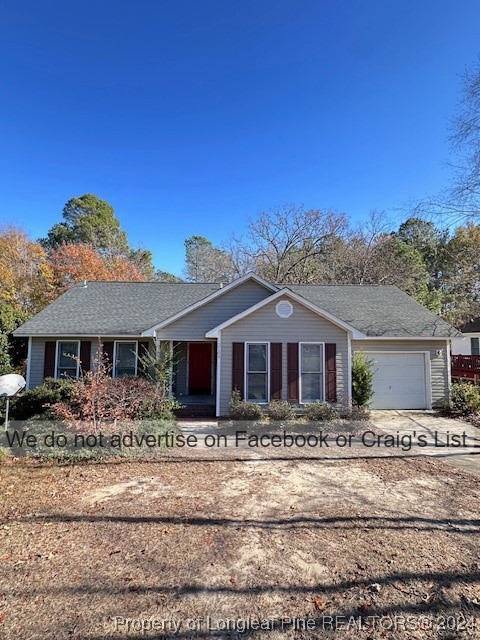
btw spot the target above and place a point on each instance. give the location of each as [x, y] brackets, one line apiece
[292, 371]
[142, 352]
[276, 370]
[108, 356]
[85, 352]
[331, 372]
[238, 367]
[49, 361]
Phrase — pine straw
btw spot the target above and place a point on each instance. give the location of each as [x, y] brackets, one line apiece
[185, 538]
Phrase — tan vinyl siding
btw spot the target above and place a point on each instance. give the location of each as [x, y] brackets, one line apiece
[264, 325]
[438, 364]
[195, 324]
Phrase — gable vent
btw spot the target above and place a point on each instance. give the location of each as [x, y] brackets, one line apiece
[284, 309]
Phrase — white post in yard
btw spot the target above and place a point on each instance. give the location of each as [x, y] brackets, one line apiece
[10, 384]
[7, 408]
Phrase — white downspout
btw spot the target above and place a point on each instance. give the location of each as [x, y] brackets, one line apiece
[449, 369]
[218, 374]
[29, 362]
[170, 384]
[349, 368]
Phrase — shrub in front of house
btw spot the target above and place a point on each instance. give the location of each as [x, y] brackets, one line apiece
[362, 380]
[280, 410]
[40, 400]
[464, 399]
[320, 411]
[102, 401]
[155, 408]
[241, 410]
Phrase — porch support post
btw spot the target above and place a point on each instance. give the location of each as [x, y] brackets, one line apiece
[349, 371]
[170, 383]
[218, 374]
[158, 355]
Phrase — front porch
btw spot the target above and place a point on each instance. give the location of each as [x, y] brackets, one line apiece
[191, 407]
[194, 377]
[196, 407]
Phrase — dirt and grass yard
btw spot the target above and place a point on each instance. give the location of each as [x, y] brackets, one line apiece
[276, 547]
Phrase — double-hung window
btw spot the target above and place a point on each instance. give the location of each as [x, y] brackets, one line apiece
[311, 372]
[257, 371]
[125, 359]
[67, 359]
[475, 346]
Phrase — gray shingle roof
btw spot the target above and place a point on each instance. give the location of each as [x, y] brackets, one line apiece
[129, 308]
[377, 310]
[113, 308]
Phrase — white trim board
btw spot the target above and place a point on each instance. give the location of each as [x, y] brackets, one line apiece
[449, 370]
[393, 338]
[216, 294]
[80, 336]
[218, 373]
[349, 372]
[356, 334]
[170, 355]
[29, 362]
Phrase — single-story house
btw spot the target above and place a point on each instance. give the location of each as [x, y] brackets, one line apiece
[469, 343]
[269, 341]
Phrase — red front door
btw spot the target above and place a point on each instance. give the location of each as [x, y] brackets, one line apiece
[200, 368]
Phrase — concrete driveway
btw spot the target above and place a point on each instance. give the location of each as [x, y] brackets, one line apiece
[455, 441]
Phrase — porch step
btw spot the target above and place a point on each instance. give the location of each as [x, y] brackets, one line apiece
[195, 411]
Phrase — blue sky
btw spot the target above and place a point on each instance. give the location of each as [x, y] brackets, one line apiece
[190, 117]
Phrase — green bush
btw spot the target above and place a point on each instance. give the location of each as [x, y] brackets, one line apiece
[362, 380]
[153, 409]
[319, 411]
[38, 401]
[465, 398]
[241, 410]
[280, 410]
[4, 453]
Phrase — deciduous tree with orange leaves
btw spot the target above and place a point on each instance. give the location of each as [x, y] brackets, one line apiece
[72, 263]
[25, 273]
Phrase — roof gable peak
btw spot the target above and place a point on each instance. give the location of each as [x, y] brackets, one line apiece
[216, 294]
[286, 292]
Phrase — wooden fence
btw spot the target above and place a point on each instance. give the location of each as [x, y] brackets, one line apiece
[466, 367]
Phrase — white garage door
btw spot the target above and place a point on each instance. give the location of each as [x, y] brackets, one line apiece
[399, 380]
